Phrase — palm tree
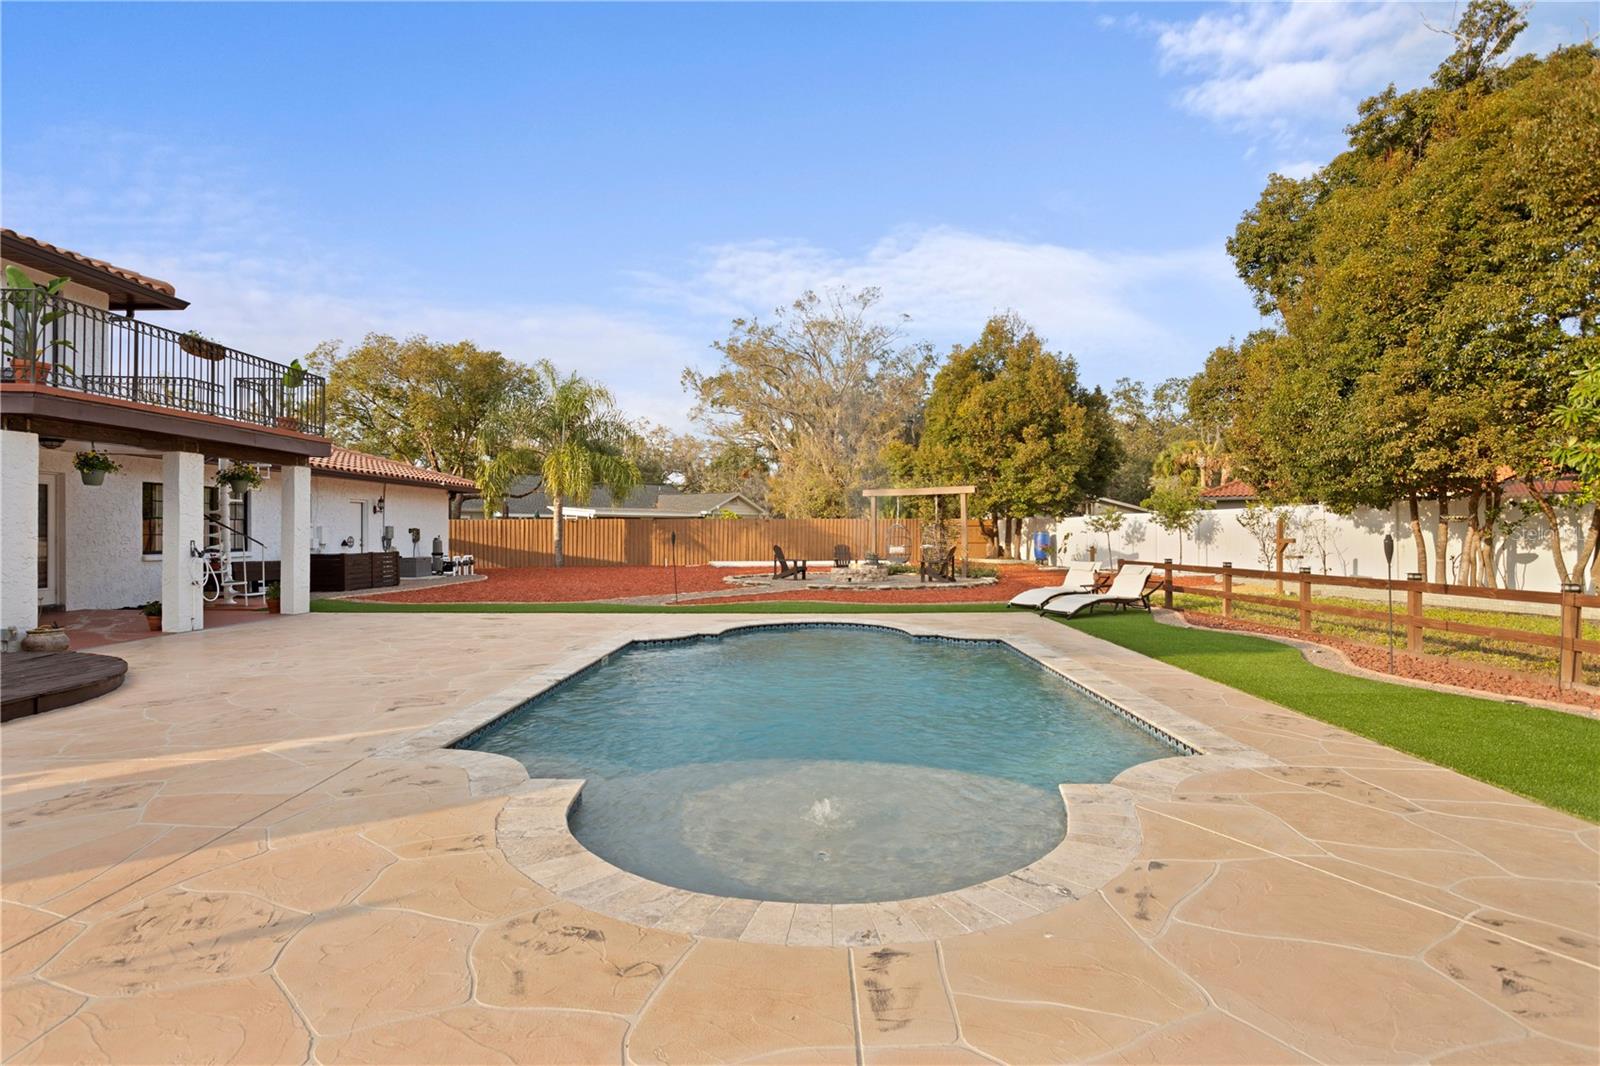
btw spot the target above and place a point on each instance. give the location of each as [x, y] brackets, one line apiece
[574, 438]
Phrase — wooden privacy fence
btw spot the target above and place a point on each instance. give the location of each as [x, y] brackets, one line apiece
[518, 542]
[1410, 622]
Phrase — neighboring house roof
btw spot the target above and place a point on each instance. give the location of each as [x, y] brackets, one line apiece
[343, 462]
[645, 501]
[1232, 490]
[1517, 489]
[126, 288]
[696, 503]
[1121, 505]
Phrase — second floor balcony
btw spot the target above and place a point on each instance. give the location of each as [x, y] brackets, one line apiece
[62, 344]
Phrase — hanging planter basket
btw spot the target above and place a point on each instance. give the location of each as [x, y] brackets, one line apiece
[93, 466]
[202, 348]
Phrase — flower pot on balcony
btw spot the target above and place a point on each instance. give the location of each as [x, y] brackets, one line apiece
[287, 422]
[202, 348]
[34, 370]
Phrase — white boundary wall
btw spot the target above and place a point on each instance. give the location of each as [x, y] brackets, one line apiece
[1351, 545]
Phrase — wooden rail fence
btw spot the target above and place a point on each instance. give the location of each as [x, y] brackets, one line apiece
[521, 542]
[1569, 642]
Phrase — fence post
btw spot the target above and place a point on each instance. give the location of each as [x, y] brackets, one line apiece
[1166, 585]
[1305, 599]
[1227, 590]
[1568, 671]
[1414, 612]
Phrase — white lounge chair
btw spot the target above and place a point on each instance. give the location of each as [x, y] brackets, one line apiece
[1078, 578]
[1127, 590]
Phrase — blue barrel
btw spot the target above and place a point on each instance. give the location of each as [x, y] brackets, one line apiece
[1041, 547]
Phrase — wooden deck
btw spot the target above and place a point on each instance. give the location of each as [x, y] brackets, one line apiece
[33, 682]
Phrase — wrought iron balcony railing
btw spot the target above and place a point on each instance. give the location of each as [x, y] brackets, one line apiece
[50, 340]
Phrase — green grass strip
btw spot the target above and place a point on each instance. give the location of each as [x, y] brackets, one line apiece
[773, 607]
[1546, 755]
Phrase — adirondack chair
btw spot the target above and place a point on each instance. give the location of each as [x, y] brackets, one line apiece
[782, 567]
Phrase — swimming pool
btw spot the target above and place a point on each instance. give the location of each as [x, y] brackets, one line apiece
[819, 763]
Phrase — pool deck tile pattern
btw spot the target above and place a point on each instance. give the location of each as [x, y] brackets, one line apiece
[276, 861]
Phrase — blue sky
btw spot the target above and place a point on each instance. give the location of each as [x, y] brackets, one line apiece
[607, 185]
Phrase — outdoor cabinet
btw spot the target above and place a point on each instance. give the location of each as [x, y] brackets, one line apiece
[348, 571]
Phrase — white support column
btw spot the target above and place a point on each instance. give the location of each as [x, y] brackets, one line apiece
[19, 530]
[183, 509]
[294, 541]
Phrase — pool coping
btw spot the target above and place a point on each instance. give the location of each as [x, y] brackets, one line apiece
[1103, 830]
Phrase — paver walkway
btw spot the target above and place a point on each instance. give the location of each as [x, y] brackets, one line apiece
[210, 865]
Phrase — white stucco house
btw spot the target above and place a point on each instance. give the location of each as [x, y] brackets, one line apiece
[81, 372]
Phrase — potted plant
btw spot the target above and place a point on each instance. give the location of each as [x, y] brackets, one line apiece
[294, 375]
[152, 614]
[26, 316]
[94, 466]
[48, 637]
[274, 598]
[199, 345]
[239, 477]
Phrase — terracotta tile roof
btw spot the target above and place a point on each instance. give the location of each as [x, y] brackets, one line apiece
[1232, 490]
[1517, 489]
[348, 463]
[17, 245]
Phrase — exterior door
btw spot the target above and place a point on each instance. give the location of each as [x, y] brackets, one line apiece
[49, 543]
[361, 524]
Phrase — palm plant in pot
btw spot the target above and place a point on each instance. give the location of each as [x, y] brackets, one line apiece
[274, 598]
[94, 466]
[27, 316]
[152, 614]
[290, 410]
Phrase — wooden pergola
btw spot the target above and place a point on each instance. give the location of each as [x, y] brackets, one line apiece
[963, 491]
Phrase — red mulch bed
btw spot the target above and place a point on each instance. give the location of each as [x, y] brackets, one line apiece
[579, 584]
[571, 584]
[1013, 579]
[1429, 668]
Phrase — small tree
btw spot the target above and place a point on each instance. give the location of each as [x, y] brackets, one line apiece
[1107, 521]
[573, 438]
[1578, 450]
[1175, 506]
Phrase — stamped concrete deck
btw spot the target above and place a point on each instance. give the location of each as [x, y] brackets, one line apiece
[213, 864]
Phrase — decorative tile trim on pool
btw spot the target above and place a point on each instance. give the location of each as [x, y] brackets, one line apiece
[1103, 832]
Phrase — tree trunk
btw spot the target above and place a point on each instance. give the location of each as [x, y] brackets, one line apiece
[556, 504]
[1416, 535]
[1469, 549]
[1553, 520]
[1491, 515]
[1591, 551]
[1441, 541]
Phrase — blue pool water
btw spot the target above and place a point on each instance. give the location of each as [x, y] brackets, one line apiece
[825, 764]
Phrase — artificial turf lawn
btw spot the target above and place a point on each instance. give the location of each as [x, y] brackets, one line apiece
[1546, 755]
[1549, 756]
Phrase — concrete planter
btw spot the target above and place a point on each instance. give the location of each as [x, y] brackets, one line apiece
[46, 638]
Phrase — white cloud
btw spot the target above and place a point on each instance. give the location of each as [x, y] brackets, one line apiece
[1120, 312]
[1267, 65]
[1301, 168]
